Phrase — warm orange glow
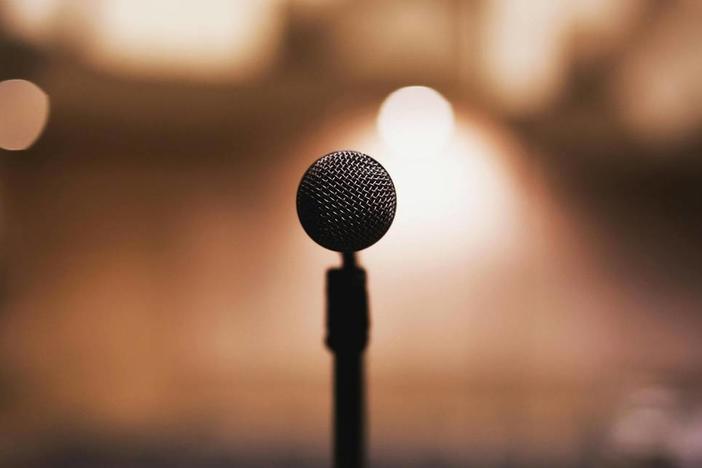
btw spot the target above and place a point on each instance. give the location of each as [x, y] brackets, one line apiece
[460, 218]
[536, 300]
[463, 197]
[25, 110]
[466, 196]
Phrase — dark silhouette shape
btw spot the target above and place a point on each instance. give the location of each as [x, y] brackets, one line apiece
[346, 202]
[347, 337]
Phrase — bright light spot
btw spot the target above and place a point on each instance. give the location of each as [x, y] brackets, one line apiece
[527, 47]
[525, 50]
[416, 121]
[464, 206]
[29, 19]
[200, 39]
[657, 87]
[600, 25]
[24, 112]
[463, 202]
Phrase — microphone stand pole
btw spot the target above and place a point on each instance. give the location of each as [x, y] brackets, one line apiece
[347, 337]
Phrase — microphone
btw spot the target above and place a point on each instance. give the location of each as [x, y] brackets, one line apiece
[346, 202]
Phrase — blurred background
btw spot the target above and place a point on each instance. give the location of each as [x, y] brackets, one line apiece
[535, 304]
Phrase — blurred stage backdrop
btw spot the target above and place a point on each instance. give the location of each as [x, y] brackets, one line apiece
[537, 302]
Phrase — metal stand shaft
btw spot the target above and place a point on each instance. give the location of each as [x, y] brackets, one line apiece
[347, 337]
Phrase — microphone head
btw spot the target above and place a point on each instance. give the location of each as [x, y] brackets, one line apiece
[346, 201]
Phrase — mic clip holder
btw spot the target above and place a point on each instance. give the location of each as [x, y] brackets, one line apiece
[347, 309]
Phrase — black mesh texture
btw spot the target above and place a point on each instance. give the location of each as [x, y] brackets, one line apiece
[346, 201]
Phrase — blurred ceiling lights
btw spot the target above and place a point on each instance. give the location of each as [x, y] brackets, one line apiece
[185, 38]
[203, 39]
[519, 54]
[416, 121]
[30, 20]
[527, 47]
[25, 110]
[658, 87]
[395, 39]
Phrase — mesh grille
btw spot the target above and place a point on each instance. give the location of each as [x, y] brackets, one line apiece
[346, 201]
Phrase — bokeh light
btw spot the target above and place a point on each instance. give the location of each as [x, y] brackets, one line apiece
[657, 87]
[536, 301]
[185, 39]
[416, 121]
[523, 66]
[466, 198]
[647, 424]
[528, 48]
[30, 20]
[25, 110]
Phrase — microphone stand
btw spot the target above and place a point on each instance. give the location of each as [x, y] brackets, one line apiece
[347, 337]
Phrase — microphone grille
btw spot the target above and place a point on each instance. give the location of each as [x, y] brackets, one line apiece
[346, 201]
